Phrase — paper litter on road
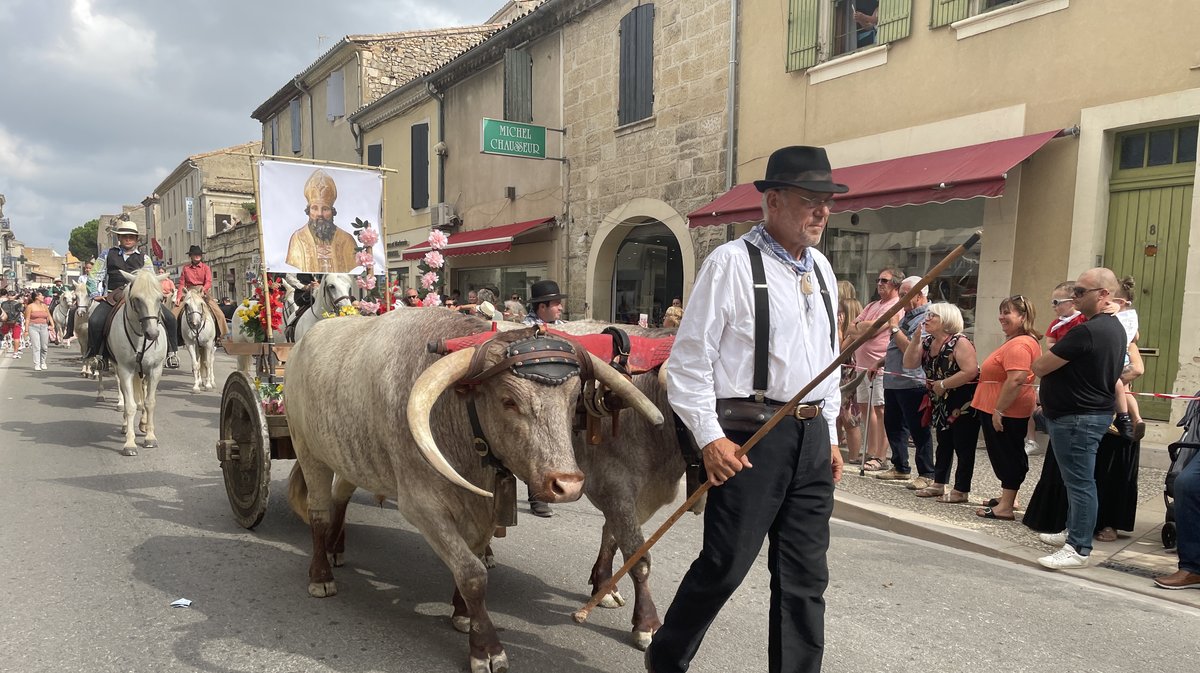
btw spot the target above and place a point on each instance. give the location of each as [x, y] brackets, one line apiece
[182, 603]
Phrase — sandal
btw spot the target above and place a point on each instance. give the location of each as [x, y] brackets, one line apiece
[952, 499]
[989, 513]
[930, 492]
[873, 465]
[1107, 534]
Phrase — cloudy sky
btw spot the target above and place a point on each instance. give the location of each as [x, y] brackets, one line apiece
[101, 99]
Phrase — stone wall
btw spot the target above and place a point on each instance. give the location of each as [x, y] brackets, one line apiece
[236, 248]
[677, 155]
[389, 63]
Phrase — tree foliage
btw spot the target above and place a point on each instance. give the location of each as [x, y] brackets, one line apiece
[82, 243]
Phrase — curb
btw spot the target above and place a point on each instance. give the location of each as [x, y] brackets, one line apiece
[865, 512]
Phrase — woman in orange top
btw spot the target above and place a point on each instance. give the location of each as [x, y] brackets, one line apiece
[1004, 401]
[37, 323]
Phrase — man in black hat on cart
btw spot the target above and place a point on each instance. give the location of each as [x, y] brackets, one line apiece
[545, 308]
[760, 328]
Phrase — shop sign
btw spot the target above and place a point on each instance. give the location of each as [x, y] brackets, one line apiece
[513, 139]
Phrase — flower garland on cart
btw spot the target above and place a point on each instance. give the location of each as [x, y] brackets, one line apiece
[429, 266]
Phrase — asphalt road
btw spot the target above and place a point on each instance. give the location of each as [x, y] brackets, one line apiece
[96, 546]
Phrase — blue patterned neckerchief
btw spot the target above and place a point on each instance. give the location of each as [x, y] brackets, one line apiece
[800, 266]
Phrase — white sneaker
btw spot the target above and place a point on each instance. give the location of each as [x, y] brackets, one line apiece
[1064, 559]
[1054, 539]
[43, 366]
[1032, 448]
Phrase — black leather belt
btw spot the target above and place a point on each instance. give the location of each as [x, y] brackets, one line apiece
[804, 411]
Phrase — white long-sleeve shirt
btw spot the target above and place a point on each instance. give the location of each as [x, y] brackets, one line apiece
[713, 355]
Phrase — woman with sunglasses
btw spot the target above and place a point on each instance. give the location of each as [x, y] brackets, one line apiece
[1004, 401]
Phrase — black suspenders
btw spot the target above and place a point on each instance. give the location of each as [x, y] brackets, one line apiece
[762, 318]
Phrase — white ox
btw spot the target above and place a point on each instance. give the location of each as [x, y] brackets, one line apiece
[345, 367]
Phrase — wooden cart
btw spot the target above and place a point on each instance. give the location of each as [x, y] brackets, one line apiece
[249, 436]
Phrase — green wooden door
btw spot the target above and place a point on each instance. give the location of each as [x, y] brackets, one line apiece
[1149, 221]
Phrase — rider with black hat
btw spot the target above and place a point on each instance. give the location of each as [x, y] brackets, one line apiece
[198, 274]
[545, 308]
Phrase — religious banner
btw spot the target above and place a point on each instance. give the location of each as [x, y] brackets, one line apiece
[320, 219]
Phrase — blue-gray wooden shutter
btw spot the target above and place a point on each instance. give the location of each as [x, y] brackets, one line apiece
[375, 154]
[946, 12]
[803, 16]
[518, 85]
[895, 20]
[420, 166]
[636, 83]
[295, 110]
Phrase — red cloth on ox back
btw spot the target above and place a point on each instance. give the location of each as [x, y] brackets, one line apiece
[646, 353]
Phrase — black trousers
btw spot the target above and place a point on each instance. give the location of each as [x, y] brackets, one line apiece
[958, 440]
[901, 420]
[99, 316]
[1006, 450]
[787, 497]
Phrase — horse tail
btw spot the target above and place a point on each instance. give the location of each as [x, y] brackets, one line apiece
[298, 493]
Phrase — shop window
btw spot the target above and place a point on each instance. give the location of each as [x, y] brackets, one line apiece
[508, 280]
[910, 239]
[647, 275]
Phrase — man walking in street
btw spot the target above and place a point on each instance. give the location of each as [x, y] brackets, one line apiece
[904, 394]
[760, 327]
[1079, 376]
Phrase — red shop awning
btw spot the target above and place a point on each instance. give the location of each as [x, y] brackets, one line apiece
[935, 177]
[480, 241]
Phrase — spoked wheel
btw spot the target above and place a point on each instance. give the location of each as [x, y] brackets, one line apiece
[244, 450]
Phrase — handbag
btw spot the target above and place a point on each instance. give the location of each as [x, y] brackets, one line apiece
[926, 409]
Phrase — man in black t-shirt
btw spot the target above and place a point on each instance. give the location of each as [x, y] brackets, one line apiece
[1078, 397]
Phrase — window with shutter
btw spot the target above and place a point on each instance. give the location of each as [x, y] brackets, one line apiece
[518, 86]
[803, 19]
[375, 154]
[635, 87]
[946, 12]
[419, 170]
[895, 20]
[274, 136]
[294, 108]
[335, 95]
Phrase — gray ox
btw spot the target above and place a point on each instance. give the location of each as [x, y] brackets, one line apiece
[629, 478]
[345, 367]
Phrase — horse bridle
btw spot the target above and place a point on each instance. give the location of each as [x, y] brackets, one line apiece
[334, 303]
[195, 329]
[146, 343]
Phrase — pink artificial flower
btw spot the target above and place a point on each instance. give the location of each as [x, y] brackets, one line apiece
[367, 307]
[431, 299]
[365, 258]
[434, 259]
[428, 280]
[361, 283]
[365, 282]
[438, 239]
[368, 237]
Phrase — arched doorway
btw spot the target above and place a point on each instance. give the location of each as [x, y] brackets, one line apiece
[647, 274]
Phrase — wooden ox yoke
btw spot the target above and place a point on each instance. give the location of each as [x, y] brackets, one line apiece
[644, 354]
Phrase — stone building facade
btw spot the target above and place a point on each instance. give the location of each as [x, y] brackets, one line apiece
[628, 248]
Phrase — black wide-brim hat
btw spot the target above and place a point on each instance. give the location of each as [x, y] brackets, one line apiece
[195, 250]
[544, 290]
[800, 166]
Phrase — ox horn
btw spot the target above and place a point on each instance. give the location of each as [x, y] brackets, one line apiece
[662, 374]
[605, 374]
[429, 386]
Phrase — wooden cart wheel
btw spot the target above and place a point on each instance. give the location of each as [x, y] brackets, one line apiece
[244, 450]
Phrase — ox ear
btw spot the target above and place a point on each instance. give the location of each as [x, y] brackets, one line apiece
[429, 386]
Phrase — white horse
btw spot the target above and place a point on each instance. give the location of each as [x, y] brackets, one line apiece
[138, 342]
[83, 310]
[334, 293]
[199, 334]
[62, 311]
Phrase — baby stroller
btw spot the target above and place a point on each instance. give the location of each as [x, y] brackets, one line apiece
[1181, 453]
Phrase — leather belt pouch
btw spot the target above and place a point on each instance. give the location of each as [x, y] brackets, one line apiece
[736, 415]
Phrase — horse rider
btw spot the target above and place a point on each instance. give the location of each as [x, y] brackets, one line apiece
[93, 290]
[125, 257]
[198, 274]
